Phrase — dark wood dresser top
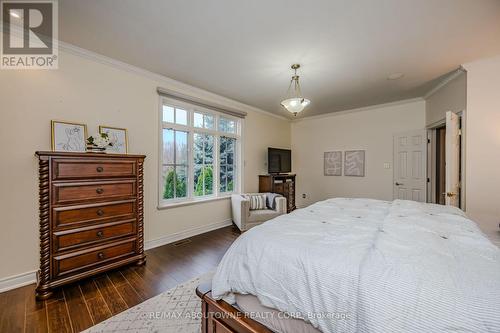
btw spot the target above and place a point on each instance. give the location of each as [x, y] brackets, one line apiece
[85, 154]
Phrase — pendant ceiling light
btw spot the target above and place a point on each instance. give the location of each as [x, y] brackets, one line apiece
[294, 102]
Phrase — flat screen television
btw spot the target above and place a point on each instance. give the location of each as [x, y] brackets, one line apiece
[279, 160]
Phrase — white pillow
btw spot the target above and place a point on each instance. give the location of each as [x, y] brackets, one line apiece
[257, 201]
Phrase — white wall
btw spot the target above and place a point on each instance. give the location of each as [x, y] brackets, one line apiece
[370, 129]
[87, 91]
[261, 132]
[483, 143]
[451, 97]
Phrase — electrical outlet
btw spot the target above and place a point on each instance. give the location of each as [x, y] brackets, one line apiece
[304, 196]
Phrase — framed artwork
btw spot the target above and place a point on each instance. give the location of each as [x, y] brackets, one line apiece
[119, 138]
[333, 163]
[68, 136]
[354, 163]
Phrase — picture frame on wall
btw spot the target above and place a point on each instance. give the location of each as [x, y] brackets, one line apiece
[332, 163]
[354, 163]
[68, 136]
[119, 138]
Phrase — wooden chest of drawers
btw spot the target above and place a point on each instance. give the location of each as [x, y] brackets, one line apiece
[91, 216]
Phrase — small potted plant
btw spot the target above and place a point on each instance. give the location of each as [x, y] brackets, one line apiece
[97, 143]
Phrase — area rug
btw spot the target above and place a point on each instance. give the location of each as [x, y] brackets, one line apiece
[176, 310]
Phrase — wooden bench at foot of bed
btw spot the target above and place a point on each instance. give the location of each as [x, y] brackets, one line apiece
[221, 317]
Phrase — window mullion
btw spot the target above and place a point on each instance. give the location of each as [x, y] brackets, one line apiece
[175, 162]
[176, 127]
[216, 172]
[190, 177]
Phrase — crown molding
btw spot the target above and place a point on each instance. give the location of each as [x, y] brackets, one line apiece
[180, 87]
[459, 71]
[365, 108]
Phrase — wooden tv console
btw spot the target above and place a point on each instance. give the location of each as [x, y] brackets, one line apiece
[283, 184]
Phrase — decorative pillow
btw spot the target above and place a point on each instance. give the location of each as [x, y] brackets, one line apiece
[257, 201]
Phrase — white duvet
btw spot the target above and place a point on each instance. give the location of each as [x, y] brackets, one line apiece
[361, 265]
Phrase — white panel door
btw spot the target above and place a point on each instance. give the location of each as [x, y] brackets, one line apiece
[410, 165]
[452, 169]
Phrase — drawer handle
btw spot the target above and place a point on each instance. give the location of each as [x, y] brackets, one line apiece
[100, 234]
[99, 169]
[99, 190]
[100, 255]
[100, 212]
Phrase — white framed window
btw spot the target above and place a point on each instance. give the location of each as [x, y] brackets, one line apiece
[200, 153]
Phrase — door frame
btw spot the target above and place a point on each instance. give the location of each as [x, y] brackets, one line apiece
[463, 151]
[431, 158]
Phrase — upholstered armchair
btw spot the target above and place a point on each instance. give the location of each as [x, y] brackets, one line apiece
[244, 218]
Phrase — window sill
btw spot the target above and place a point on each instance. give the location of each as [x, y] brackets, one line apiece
[190, 202]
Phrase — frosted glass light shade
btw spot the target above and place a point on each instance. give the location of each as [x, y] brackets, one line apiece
[296, 104]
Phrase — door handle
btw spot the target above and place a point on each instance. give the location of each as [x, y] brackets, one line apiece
[450, 194]
[397, 184]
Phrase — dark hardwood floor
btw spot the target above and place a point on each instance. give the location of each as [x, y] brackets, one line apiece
[81, 305]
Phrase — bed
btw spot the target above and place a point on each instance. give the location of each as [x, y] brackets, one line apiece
[358, 265]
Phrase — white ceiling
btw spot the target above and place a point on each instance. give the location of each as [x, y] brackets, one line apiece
[242, 49]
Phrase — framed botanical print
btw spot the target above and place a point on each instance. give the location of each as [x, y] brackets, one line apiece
[67, 136]
[118, 137]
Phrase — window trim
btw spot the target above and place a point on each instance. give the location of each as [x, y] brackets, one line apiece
[191, 129]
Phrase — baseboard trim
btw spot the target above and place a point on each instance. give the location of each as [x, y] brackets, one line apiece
[150, 244]
[17, 281]
[21, 280]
